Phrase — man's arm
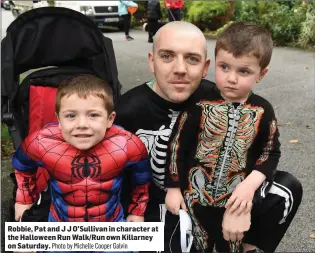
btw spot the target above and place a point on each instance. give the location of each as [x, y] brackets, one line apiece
[140, 175]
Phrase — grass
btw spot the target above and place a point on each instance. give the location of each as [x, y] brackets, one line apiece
[6, 142]
[4, 133]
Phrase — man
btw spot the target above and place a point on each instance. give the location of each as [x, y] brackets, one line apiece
[154, 15]
[174, 8]
[150, 110]
[179, 62]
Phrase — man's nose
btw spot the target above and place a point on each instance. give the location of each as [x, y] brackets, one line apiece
[232, 77]
[180, 66]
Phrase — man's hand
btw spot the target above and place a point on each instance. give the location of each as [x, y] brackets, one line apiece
[135, 218]
[241, 199]
[234, 226]
[174, 200]
[20, 209]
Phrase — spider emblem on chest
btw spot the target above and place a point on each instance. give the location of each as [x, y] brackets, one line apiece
[86, 165]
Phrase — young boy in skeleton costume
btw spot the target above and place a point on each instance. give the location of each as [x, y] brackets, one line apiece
[225, 147]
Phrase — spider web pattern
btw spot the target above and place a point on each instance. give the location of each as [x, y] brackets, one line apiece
[85, 185]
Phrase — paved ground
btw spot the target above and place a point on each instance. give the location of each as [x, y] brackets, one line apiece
[289, 86]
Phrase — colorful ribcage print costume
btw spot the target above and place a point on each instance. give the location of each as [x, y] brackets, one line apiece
[85, 185]
[215, 145]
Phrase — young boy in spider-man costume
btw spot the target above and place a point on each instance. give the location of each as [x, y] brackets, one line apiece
[85, 155]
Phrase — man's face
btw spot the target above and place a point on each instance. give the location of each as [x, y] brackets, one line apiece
[179, 63]
[83, 122]
[235, 77]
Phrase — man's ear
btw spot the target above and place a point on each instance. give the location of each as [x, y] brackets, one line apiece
[262, 74]
[111, 119]
[151, 65]
[206, 68]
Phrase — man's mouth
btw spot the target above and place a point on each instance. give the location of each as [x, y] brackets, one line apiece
[180, 82]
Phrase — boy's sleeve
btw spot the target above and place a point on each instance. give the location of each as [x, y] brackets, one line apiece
[25, 161]
[182, 146]
[139, 165]
[270, 149]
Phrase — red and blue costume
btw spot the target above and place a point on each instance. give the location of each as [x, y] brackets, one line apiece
[85, 184]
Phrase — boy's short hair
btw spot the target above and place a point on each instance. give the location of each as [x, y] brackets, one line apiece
[83, 86]
[242, 38]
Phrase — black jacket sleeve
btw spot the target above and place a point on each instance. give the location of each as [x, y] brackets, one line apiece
[269, 146]
[182, 147]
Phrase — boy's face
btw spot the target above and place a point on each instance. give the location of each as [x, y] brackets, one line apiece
[83, 122]
[178, 62]
[235, 77]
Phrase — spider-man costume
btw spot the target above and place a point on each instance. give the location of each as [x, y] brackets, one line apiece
[85, 185]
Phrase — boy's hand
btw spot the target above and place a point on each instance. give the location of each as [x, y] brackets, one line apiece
[19, 210]
[234, 226]
[241, 199]
[135, 218]
[174, 200]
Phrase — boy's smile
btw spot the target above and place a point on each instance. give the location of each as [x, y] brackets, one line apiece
[235, 77]
[83, 122]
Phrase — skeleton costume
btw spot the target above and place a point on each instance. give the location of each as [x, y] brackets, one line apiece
[214, 146]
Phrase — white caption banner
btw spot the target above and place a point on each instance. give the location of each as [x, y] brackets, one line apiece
[79, 236]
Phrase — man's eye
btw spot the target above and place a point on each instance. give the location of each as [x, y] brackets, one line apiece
[166, 57]
[193, 59]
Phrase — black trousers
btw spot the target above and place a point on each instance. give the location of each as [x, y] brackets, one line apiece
[271, 215]
[174, 15]
[127, 21]
[153, 27]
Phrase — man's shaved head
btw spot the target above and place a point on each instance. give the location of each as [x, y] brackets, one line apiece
[178, 61]
[191, 30]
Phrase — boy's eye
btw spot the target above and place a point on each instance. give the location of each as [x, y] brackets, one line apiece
[94, 115]
[244, 71]
[70, 116]
[224, 67]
